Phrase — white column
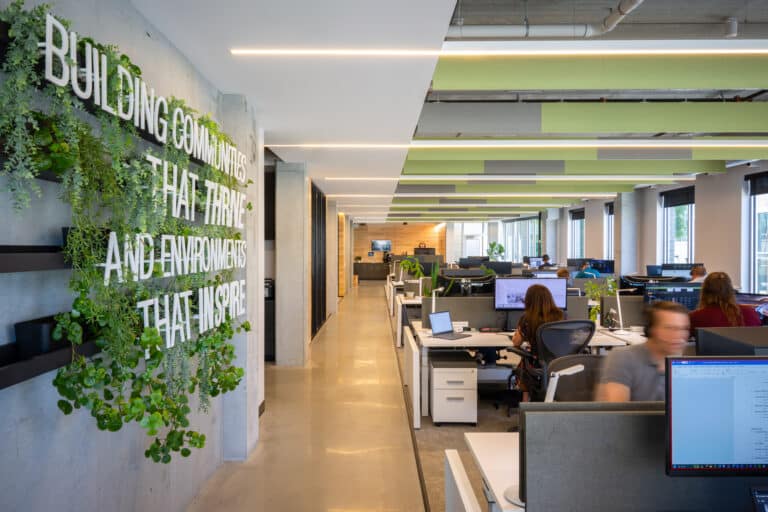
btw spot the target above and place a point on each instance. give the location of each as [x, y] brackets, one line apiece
[625, 235]
[292, 265]
[241, 406]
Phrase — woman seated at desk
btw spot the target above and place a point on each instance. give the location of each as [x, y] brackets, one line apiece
[718, 307]
[540, 309]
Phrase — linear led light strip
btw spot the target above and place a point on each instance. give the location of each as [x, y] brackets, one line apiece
[430, 213]
[526, 49]
[545, 144]
[525, 177]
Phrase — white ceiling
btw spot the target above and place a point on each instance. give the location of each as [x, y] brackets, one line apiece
[321, 99]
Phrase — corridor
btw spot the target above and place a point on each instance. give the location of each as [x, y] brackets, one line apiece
[335, 435]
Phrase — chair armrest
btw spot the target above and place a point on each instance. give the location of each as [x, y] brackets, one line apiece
[519, 351]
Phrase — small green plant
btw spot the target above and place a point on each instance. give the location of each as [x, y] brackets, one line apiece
[488, 271]
[495, 251]
[413, 266]
[595, 290]
[433, 280]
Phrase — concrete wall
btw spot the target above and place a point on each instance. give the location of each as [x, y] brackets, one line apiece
[56, 462]
[292, 269]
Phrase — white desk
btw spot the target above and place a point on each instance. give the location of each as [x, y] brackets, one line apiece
[604, 338]
[400, 302]
[498, 457]
[426, 343]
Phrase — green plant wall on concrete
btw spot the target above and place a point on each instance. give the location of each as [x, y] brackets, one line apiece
[112, 188]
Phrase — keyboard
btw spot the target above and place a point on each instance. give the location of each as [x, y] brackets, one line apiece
[451, 336]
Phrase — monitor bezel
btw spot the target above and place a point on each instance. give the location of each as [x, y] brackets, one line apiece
[543, 279]
[668, 422]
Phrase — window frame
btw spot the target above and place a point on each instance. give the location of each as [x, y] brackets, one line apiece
[577, 219]
[673, 199]
[608, 231]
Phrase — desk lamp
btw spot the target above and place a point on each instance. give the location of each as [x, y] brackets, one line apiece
[434, 295]
[621, 330]
[555, 376]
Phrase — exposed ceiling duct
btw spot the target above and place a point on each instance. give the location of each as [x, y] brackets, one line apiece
[545, 31]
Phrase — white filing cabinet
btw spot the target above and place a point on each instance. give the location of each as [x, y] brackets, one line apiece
[453, 391]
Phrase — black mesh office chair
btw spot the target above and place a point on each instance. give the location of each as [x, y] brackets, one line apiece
[577, 387]
[553, 340]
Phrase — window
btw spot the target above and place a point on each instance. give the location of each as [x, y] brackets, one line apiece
[678, 220]
[521, 238]
[473, 240]
[608, 233]
[576, 232]
[758, 232]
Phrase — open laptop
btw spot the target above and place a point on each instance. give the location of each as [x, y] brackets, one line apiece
[442, 327]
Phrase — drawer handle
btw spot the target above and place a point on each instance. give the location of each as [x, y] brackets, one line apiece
[454, 382]
[455, 398]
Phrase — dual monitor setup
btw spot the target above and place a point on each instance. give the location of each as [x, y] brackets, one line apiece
[679, 270]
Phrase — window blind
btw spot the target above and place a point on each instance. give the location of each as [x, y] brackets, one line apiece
[678, 197]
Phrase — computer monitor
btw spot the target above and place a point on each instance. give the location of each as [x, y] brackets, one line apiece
[653, 270]
[687, 294]
[603, 266]
[510, 292]
[543, 274]
[500, 267]
[381, 245]
[716, 416]
[535, 261]
[678, 269]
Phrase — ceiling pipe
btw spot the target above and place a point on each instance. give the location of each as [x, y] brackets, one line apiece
[545, 31]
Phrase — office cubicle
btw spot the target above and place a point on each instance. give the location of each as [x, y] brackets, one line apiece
[597, 456]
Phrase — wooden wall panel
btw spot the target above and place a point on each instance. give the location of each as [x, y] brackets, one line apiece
[342, 227]
[404, 238]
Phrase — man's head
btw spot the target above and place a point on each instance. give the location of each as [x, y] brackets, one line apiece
[584, 265]
[698, 271]
[667, 327]
[545, 258]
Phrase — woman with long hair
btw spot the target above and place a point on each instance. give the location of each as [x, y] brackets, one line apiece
[718, 307]
[540, 309]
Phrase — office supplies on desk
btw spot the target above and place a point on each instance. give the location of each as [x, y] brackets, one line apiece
[442, 327]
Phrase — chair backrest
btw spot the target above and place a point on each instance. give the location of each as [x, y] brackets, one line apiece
[558, 339]
[579, 387]
[459, 496]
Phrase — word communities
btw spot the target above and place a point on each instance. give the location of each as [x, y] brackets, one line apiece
[87, 70]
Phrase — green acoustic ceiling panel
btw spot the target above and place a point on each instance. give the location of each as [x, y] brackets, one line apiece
[401, 202]
[654, 117]
[563, 188]
[643, 166]
[601, 73]
[583, 154]
[502, 154]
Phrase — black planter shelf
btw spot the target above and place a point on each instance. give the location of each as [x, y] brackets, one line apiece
[13, 371]
[28, 258]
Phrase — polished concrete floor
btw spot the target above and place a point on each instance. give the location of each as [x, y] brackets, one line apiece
[335, 435]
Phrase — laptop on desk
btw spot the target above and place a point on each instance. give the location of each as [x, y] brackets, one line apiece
[442, 327]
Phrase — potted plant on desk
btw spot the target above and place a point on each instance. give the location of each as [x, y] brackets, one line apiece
[413, 266]
[595, 291]
[495, 251]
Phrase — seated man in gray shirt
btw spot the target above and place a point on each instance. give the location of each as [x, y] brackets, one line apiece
[637, 373]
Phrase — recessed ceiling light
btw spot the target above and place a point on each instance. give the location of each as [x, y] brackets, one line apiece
[361, 178]
[597, 195]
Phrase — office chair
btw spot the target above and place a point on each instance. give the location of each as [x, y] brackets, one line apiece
[574, 387]
[553, 340]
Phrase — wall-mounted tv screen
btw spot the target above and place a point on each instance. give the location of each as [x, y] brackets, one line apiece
[510, 292]
[381, 245]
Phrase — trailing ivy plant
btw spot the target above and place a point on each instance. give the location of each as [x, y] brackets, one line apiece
[111, 187]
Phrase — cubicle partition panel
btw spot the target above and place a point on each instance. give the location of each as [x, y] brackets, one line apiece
[632, 309]
[612, 460]
[478, 311]
[578, 308]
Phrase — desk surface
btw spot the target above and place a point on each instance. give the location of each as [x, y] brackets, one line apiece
[476, 339]
[498, 457]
